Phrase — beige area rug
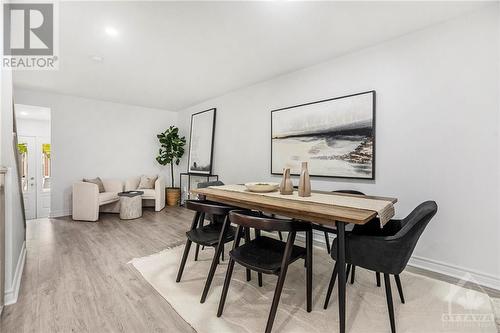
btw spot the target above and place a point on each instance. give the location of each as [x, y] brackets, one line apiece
[431, 305]
[496, 306]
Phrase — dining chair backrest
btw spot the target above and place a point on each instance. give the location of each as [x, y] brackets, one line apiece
[208, 184]
[205, 185]
[412, 228]
[208, 207]
[252, 219]
[390, 254]
[349, 192]
[414, 224]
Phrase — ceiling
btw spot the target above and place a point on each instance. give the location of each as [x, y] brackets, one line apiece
[171, 55]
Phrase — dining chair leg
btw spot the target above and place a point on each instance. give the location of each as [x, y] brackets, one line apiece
[309, 275]
[327, 242]
[196, 252]
[194, 223]
[280, 235]
[200, 224]
[201, 221]
[229, 273]
[353, 272]
[183, 261]
[247, 240]
[390, 306]
[259, 276]
[215, 259]
[341, 272]
[400, 288]
[281, 281]
[347, 272]
[377, 274]
[222, 255]
[330, 286]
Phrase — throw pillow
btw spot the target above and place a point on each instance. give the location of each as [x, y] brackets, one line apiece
[96, 181]
[147, 182]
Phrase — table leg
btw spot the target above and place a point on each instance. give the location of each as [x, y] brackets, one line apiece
[341, 273]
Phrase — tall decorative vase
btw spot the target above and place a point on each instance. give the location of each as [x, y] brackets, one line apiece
[286, 186]
[304, 182]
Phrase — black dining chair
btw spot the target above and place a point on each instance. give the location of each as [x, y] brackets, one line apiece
[267, 255]
[385, 254]
[371, 228]
[215, 235]
[208, 184]
[207, 216]
[218, 183]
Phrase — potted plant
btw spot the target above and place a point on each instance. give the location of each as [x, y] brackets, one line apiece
[171, 151]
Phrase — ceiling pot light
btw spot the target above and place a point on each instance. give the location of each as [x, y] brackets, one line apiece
[110, 31]
[96, 58]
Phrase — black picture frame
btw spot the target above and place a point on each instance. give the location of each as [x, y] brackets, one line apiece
[373, 169]
[211, 136]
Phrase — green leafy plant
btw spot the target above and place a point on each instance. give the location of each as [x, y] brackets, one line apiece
[22, 148]
[46, 149]
[171, 148]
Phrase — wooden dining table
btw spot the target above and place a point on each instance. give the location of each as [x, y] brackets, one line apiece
[327, 214]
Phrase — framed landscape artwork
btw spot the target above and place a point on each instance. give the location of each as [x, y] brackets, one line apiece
[335, 136]
[201, 142]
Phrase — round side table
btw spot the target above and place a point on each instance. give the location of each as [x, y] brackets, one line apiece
[130, 204]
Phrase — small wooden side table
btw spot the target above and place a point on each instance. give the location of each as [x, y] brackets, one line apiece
[130, 205]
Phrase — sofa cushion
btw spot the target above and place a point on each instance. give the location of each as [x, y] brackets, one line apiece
[106, 197]
[147, 182]
[96, 181]
[148, 194]
[132, 183]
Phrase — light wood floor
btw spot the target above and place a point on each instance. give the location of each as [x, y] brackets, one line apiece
[76, 277]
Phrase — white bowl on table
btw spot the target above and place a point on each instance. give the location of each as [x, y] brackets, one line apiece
[262, 187]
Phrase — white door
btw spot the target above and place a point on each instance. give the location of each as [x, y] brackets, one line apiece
[43, 167]
[27, 151]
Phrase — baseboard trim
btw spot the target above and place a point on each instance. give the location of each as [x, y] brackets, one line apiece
[59, 213]
[11, 295]
[457, 272]
[480, 278]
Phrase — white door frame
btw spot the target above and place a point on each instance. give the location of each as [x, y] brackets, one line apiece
[42, 195]
[29, 195]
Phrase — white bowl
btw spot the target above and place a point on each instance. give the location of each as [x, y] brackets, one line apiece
[262, 187]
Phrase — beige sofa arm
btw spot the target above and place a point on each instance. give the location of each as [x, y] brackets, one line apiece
[159, 194]
[112, 185]
[85, 202]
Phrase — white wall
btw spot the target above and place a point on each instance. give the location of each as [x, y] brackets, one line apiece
[33, 127]
[14, 219]
[93, 138]
[437, 133]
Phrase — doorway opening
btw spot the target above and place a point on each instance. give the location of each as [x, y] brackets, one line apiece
[34, 149]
